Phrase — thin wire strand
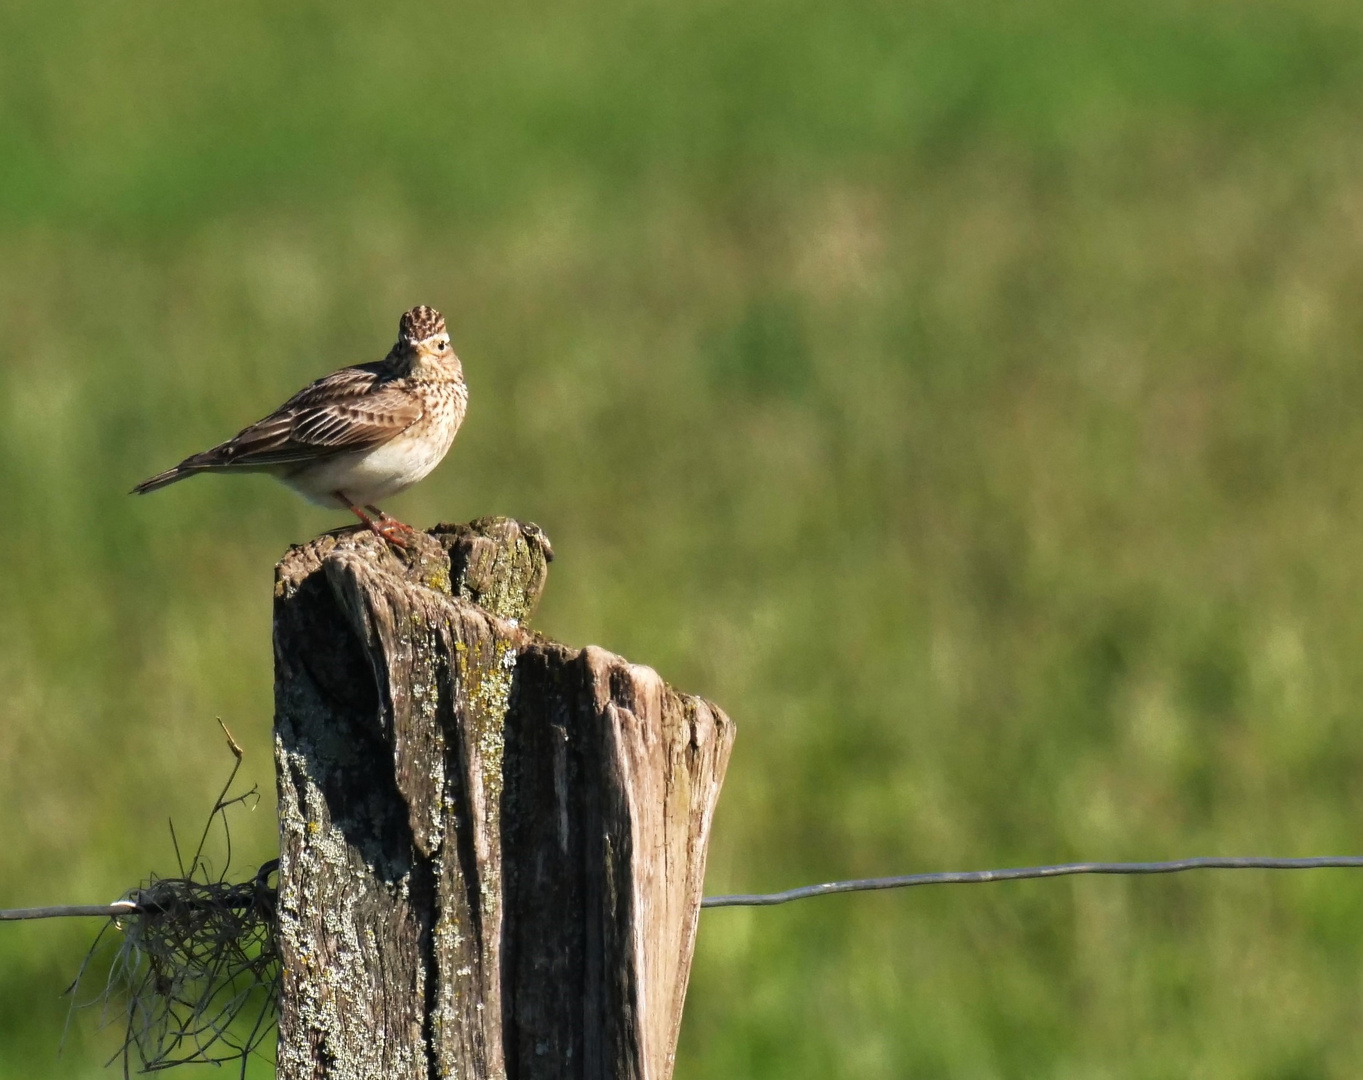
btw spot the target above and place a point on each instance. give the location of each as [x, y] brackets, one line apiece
[906, 881]
[67, 911]
[1024, 873]
[119, 908]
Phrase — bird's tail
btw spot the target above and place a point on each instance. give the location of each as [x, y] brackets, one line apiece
[188, 467]
[161, 479]
[214, 458]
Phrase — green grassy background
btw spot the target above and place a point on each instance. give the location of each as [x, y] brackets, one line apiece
[964, 395]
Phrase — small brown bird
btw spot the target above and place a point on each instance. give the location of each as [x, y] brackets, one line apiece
[359, 435]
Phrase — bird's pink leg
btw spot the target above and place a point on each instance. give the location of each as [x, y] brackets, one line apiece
[383, 529]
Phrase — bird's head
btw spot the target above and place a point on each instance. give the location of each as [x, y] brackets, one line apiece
[423, 337]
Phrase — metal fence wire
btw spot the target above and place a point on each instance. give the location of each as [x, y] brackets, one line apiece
[194, 973]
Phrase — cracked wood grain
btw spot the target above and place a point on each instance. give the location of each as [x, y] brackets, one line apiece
[492, 845]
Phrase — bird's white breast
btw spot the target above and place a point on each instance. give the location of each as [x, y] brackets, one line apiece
[367, 476]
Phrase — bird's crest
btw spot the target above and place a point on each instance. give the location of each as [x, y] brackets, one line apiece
[420, 323]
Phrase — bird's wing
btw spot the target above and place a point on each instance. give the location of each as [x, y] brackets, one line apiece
[343, 385]
[351, 409]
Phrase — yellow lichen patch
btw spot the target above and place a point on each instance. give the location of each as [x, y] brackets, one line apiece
[487, 689]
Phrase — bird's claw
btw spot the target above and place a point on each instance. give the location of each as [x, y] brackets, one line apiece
[392, 531]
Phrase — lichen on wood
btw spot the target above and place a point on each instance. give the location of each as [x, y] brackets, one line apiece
[492, 845]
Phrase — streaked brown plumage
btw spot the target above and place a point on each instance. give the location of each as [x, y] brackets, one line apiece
[358, 435]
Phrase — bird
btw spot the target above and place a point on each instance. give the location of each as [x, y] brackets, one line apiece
[358, 435]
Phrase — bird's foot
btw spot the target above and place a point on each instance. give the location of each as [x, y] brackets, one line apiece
[388, 529]
[392, 531]
[388, 521]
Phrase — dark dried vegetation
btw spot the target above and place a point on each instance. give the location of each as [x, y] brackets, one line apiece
[194, 971]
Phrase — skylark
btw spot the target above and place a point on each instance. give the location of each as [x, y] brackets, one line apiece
[359, 435]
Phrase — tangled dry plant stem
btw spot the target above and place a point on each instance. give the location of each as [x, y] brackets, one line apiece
[195, 972]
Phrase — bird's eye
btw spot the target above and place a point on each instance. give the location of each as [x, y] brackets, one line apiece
[440, 346]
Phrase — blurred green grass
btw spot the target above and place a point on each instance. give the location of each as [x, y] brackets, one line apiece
[964, 395]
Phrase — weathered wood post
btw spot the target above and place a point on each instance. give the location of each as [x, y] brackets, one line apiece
[491, 845]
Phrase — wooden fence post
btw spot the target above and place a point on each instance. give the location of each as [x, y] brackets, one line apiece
[492, 846]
